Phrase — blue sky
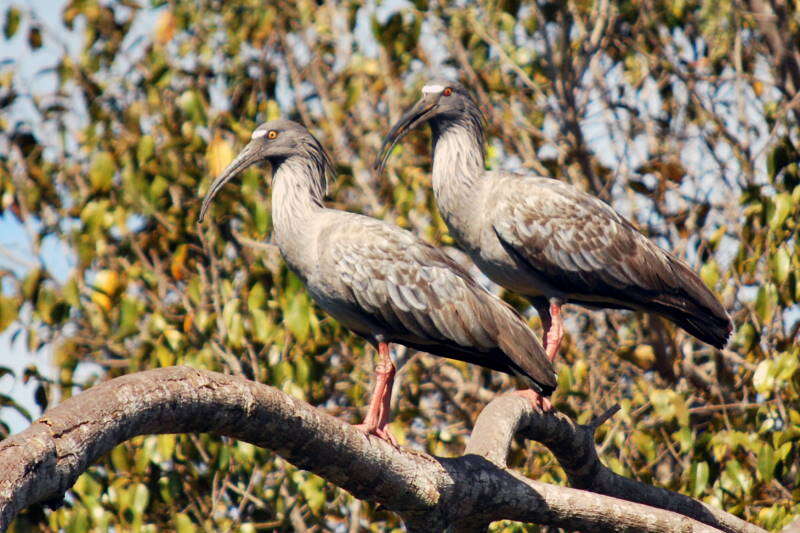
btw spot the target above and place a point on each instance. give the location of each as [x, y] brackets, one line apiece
[16, 252]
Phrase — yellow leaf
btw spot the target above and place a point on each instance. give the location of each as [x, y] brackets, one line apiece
[101, 171]
[106, 284]
[219, 155]
[178, 262]
[644, 356]
[165, 27]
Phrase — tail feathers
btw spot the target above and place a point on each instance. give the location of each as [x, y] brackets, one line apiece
[694, 308]
[709, 328]
[527, 357]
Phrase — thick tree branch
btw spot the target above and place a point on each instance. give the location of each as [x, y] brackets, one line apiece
[574, 448]
[43, 461]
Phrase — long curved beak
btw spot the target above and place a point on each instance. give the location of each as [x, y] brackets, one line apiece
[417, 115]
[247, 157]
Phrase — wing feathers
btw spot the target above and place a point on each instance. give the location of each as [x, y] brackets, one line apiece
[419, 297]
[581, 247]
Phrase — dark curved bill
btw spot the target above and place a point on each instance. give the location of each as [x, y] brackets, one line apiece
[247, 157]
[412, 118]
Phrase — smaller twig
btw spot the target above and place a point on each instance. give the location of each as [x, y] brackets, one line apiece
[725, 406]
[598, 421]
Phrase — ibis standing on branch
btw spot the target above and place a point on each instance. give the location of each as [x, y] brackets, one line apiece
[546, 239]
[381, 281]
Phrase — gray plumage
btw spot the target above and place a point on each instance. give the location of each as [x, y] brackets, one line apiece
[381, 281]
[546, 239]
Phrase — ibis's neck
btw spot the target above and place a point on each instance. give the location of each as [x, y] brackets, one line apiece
[458, 169]
[298, 187]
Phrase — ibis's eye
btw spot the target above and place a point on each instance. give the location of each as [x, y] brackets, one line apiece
[272, 134]
[447, 91]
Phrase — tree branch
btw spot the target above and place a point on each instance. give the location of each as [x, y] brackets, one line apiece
[44, 461]
[573, 446]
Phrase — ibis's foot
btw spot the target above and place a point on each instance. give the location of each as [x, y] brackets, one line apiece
[537, 400]
[380, 432]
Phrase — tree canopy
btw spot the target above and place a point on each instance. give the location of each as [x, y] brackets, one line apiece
[682, 114]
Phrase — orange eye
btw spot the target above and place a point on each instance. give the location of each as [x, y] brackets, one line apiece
[272, 134]
[447, 91]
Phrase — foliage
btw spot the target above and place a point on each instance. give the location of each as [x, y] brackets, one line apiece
[681, 113]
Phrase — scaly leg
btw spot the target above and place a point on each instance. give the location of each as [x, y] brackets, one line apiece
[552, 325]
[379, 404]
[556, 330]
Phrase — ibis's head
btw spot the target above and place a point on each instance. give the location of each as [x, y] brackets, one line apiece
[440, 98]
[274, 141]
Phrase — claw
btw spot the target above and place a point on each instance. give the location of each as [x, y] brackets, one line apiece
[538, 401]
[380, 432]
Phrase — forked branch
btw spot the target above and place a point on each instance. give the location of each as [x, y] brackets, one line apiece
[42, 462]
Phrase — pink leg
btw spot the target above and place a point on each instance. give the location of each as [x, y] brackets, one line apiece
[378, 411]
[552, 325]
[537, 400]
[555, 331]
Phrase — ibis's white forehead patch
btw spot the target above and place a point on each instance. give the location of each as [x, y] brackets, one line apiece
[258, 133]
[433, 89]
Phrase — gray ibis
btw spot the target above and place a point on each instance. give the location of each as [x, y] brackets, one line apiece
[381, 281]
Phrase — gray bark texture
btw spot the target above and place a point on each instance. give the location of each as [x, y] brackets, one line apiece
[429, 493]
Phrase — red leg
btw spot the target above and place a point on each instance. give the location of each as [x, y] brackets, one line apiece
[552, 324]
[537, 400]
[555, 331]
[379, 404]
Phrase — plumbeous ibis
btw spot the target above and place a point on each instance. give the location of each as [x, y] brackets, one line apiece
[381, 281]
[546, 239]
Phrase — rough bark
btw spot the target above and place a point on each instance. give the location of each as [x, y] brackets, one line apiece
[429, 493]
[574, 448]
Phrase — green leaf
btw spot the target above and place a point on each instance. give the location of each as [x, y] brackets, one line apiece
[102, 170]
[192, 104]
[30, 286]
[141, 497]
[128, 318]
[165, 447]
[781, 207]
[296, 317]
[781, 264]
[262, 326]
[764, 378]
[766, 462]
[9, 307]
[766, 302]
[183, 524]
[11, 25]
[783, 154]
[146, 149]
[746, 336]
[739, 475]
[663, 403]
[257, 297]
[174, 339]
[709, 272]
[314, 491]
[164, 355]
[79, 521]
[8, 401]
[699, 478]
[119, 458]
[236, 331]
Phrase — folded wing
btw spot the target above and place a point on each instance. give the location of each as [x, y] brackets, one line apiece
[581, 247]
[416, 295]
